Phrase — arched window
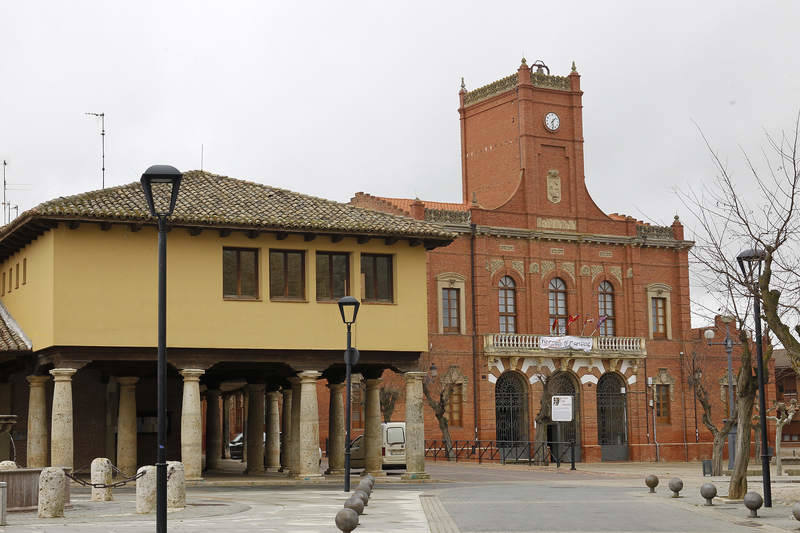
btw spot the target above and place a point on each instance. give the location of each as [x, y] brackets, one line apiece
[557, 298]
[508, 305]
[605, 307]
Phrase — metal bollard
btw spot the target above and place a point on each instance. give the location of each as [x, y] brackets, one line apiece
[572, 455]
[3, 502]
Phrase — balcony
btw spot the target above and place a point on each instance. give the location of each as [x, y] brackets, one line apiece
[564, 346]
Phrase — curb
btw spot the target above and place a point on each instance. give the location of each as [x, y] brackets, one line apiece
[439, 519]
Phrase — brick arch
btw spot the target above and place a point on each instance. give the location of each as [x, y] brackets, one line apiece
[511, 273]
[619, 299]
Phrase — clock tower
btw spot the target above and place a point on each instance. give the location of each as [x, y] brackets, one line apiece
[522, 147]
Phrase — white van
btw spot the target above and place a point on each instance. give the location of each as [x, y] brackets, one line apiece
[393, 448]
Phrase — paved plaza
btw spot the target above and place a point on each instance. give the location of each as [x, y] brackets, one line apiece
[466, 498]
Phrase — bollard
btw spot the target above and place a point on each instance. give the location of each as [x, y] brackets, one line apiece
[676, 486]
[8, 465]
[347, 520]
[52, 491]
[3, 502]
[101, 474]
[146, 490]
[572, 454]
[365, 486]
[652, 482]
[753, 501]
[355, 503]
[796, 511]
[176, 486]
[708, 491]
[364, 496]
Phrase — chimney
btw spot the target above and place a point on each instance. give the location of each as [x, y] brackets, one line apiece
[418, 209]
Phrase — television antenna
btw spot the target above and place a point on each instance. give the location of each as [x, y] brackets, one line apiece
[102, 117]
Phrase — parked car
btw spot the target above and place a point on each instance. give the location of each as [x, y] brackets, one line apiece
[236, 446]
[393, 447]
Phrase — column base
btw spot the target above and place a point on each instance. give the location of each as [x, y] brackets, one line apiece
[254, 472]
[415, 475]
[335, 472]
[272, 469]
[379, 473]
[194, 478]
[307, 476]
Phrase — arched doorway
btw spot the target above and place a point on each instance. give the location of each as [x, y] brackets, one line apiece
[511, 408]
[564, 384]
[612, 418]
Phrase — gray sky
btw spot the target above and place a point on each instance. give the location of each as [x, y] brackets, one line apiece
[329, 98]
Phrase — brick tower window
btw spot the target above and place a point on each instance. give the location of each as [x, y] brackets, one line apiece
[662, 404]
[605, 306]
[659, 317]
[508, 306]
[451, 322]
[557, 298]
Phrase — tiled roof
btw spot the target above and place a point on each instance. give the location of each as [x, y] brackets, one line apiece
[12, 338]
[207, 199]
[404, 204]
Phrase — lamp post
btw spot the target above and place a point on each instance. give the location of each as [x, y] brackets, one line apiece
[750, 262]
[348, 308]
[728, 344]
[166, 180]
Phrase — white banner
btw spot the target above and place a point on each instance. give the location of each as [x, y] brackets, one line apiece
[561, 409]
[567, 342]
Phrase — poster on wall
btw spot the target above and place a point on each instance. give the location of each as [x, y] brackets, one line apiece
[561, 409]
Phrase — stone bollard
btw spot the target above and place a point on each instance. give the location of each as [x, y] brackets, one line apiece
[676, 486]
[52, 492]
[365, 486]
[708, 491]
[796, 511]
[652, 482]
[146, 490]
[347, 520]
[753, 501]
[101, 474]
[364, 496]
[176, 486]
[355, 503]
[8, 465]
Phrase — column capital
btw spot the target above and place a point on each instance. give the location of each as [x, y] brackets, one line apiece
[274, 394]
[374, 382]
[336, 387]
[192, 374]
[38, 381]
[214, 392]
[287, 393]
[256, 387]
[415, 376]
[63, 374]
[308, 376]
[127, 381]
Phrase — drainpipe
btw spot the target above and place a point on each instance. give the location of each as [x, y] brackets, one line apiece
[683, 405]
[475, 382]
[646, 418]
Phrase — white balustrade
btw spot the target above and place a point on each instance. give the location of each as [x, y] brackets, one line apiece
[516, 341]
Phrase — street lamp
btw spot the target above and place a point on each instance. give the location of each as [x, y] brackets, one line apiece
[160, 184]
[728, 344]
[348, 308]
[750, 263]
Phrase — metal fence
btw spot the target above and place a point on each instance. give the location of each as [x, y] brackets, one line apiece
[520, 452]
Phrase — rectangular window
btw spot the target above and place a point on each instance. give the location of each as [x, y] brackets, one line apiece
[451, 320]
[25, 271]
[659, 309]
[662, 404]
[240, 273]
[4, 283]
[16, 282]
[10, 278]
[377, 275]
[287, 274]
[454, 405]
[333, 275]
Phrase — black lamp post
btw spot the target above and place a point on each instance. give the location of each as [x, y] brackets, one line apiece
[750, 263]
[348, 307]
[728, 344]
[166, 181]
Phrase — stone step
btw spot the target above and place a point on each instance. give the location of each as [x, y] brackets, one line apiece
[750, 472]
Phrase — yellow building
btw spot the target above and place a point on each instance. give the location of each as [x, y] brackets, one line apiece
[253, 276]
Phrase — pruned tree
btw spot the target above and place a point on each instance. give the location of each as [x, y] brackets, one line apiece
[438, 391]
[783, 415]
[697, 382]
[389, 396]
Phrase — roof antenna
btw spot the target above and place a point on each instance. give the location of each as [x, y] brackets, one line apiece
[102, 142]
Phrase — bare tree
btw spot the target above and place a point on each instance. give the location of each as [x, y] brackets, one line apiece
[438, 391]
[697, 381]
[389, 396]
[783, 415]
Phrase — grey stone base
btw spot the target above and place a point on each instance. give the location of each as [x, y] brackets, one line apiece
[415, 475]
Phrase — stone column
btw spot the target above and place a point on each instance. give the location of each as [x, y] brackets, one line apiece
[294, 441]
[286, 430]
[273, 445]
[336, 430]
[255, 428]
[37, 422]
[126, 426]
[415, 428]
[373, 439]
[308, 439]
[61, 447]
[226, 425]
[192, 424]
[213, 430]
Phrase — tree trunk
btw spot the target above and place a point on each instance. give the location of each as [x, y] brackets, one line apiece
[738, 484]
[778, 434]
[716, 453]
[448, 442]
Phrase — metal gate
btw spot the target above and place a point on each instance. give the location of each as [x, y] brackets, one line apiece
[562, 384]
[511, 404]
[612, 418]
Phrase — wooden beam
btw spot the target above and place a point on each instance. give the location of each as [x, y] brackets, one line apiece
[363, 239]
[282, 235]
[224, 232]
[105, 226]
[135, 227]
[194, 232]
[414, 242]
[390, 240]
[251, 234]
[337, 238]
[308, 237]
[73, 224]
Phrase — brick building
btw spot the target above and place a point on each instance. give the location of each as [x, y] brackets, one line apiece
[543, 293]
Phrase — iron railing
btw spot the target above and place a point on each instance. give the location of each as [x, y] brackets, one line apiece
[530, 452]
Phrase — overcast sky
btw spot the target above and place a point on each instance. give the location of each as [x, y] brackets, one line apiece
[330, 98]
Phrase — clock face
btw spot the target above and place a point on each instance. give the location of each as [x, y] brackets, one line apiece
[551, 121]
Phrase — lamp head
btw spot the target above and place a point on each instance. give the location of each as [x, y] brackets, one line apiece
[160, 184]
[749, 259]
[348, 308]
[708, 334]
[433, 371]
